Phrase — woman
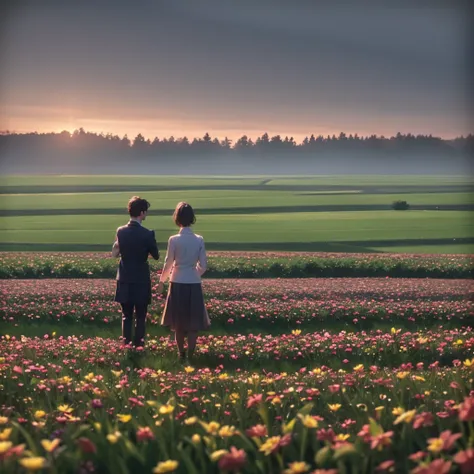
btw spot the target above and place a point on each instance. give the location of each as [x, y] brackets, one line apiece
[185, 312]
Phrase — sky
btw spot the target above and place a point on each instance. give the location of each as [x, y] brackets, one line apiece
[187, 67]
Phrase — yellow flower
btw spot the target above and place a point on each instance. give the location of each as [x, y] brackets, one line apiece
[90, 376]
[359, 368]
[435, 445]
[343, 437]
[65, 409]
[309, 421]
[270, 445]
[124, 418]
[50, 446]
[189, 369]
[419, 378]
[39, 414]
[116, 373]
[166, 466]
[227, 431]
[405, 417]
[276, 401]
[196, 439]
[402, 375]
[5, 446]
[398, 411]
[298, 467]
[223, 376]
[151, 403]
[191, 421]
[316, 371]
[296, 332]
[211, 427]
[459, 342]
[395, 331]
[334, 406]
[379, 409]
[216, 455]
[427, 393]
[112, 438]
[97, 426]
[3, 420]
[166, 409]
[5, 434]
[234, 396]
[34, 463]
[422, 340]
[469, 363]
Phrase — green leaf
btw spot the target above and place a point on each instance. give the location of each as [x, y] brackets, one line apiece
[323, 456]
[375, 428]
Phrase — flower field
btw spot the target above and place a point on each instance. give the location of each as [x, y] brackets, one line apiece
[249, 265]
[296, 375]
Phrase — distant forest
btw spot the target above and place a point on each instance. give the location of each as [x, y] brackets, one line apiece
[83, 151]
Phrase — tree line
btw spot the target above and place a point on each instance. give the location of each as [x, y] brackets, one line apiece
[85, 148]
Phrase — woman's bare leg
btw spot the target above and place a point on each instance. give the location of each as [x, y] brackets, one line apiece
[192, 338]
[179, 338]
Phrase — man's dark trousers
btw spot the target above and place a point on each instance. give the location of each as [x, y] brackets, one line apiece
[127, 322]
[133, 278]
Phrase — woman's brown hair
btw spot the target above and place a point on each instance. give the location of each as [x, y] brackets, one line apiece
[183, 215]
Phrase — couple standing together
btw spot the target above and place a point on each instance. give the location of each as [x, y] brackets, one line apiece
[185, 312]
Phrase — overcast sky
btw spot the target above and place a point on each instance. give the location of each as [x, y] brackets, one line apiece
[184, 67]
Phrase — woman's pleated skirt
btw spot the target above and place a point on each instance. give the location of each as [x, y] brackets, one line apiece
[185, 309]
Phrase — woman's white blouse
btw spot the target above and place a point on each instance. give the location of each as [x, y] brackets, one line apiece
[185, 259]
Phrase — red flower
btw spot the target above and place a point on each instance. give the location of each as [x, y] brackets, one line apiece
[233, 460]
[466, 460]
[334, 388]
[86, 445]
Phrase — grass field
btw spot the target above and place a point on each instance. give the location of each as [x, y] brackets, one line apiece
[336, 214]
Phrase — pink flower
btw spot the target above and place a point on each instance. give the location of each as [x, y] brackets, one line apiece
[326, 435]
[423, 419]
[97, 403]
[86, 445]
[386, 466]
[334, 388]
[145, 434]
[439, 466]
[418, 456]
[234, 460]
[256, 431]
[254, 400]
[466, 460]
[466, 409]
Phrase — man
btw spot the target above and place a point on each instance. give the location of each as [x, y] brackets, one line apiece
[134, 243]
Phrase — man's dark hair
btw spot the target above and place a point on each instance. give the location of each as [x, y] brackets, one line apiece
[184, 215]
[137, 205]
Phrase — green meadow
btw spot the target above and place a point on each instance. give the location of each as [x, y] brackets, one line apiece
[322, 213]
